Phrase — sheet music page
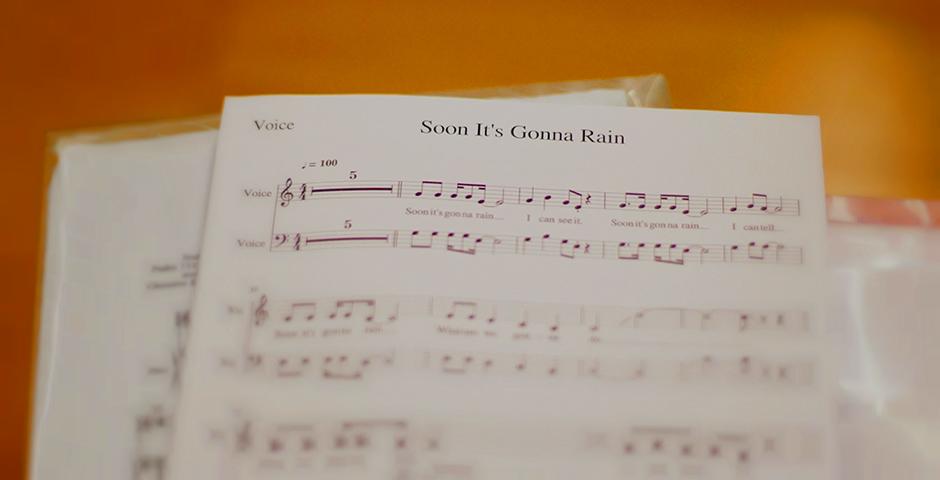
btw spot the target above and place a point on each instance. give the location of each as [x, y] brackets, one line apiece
[401, 287]
[124, 228]
[125, 231]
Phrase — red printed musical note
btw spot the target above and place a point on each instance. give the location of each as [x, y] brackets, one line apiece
[426, 183]
[360, 308]
[483, 194]
[462, 309]
[308, 311]
[422, 240]
[530, 197]
[470, 191]
[636, 200]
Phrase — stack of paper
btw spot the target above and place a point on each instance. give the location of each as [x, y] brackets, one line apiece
[416, 287]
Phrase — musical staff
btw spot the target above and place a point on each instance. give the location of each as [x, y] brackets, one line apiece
[740, 449]
[545, 318]
[543, 245]
[338, 366]
[670, 368]
[700, 451]
[322, 446]
[572, 198]
[285, 341]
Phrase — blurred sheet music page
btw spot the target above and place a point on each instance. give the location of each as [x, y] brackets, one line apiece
[118, 281]
[407, 287]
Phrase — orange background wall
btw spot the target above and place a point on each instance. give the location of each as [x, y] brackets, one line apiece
[869, 69]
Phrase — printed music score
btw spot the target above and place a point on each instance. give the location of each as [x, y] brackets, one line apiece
[542, 245]
[518, 316]
[688, 370]
[336, 366]
[153, 427]
[694, 359]
[278, 341]
[361, 309]
[662, 448]
[496, 195]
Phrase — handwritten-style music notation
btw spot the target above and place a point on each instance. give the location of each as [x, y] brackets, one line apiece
[576, 199]
[546, 318]
[542, 245]
[699, 451]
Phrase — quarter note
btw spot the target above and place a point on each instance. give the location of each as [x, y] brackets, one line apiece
[628, 251]
[676, 202]
[545, 199]
[531, 195]
[461, 247]
[544, 238]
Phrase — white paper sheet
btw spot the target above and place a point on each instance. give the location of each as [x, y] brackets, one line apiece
[123, 232]
[125, 224]
[378, 302]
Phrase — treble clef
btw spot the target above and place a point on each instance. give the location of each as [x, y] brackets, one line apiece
[286, 194]
[261, 313]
